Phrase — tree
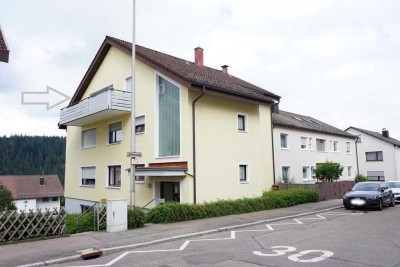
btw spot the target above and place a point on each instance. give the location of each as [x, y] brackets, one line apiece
[6, 199]
[328, 171]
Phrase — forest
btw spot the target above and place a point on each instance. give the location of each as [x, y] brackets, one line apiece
[32, 155]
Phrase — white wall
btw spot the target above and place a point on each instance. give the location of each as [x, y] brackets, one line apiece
[370, 144]
[73, 205]
[25, 204]
[49, 204]
[296, 158]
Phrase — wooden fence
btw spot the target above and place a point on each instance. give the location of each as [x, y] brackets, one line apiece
[326, 191]
[19, 226]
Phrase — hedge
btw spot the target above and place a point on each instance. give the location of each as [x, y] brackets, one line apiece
[176, 212]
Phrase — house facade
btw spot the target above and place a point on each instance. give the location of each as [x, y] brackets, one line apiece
[378, 154]
[302, 142]
[4, 50]
[32, 192]
[203, 134]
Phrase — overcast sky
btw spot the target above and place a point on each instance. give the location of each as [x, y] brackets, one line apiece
[337, 61]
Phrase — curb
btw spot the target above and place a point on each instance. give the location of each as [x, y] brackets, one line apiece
[173, 238]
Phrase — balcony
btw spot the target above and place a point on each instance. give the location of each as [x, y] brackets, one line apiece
[101, 105]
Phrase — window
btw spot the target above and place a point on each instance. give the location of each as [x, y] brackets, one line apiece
[84, 208]
[306, 173]
[285, 174]
[140, 124]
[242, 123]
[243, 174]
[115, 133]
[139, 178]
[348, 148]
[321, 147]
[168, 118]
[359, 138]
[312, 172]
[306, 143]
[376, 175]
[45, 199]
[88, 138]
[55, 198]
[284, 140]
[349, 171]
[374, 156]
[334, 146]
[128, 84]
[114, 176]
[88, 176]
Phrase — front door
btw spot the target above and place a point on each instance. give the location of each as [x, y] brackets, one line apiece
[169, 191]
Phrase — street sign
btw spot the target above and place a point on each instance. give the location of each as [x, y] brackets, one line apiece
[134, 154]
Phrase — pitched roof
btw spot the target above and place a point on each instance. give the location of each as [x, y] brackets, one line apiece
[183, 71]
[306, 123]
[377, 135]
[4, 51]
[28, 186]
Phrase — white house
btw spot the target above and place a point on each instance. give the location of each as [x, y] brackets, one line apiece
[32, 192]
[378, 154]
[302, 142]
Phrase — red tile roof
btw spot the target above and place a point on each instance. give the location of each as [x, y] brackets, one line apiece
[4, 51]
[28, 186]
[183, 71]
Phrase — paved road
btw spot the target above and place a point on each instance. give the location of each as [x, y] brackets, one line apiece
[335, 238]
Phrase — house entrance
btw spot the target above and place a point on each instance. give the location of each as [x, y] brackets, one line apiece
[170, 191]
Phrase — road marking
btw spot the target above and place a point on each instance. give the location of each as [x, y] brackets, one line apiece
[233, 236]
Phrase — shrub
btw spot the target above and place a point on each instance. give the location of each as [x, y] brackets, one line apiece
[328, 171]
[175, 212]
[6, 199]
[136, 218]
[361, 178]
[85, 223]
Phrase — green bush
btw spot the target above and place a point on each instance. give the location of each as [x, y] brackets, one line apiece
[175, 212]
[361, 178]
[328, 171]
[136, 218]
[86, 223]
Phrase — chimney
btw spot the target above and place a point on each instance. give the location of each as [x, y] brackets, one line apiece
[198, 56]
[225, 69]
[385, 132]
[41, 180]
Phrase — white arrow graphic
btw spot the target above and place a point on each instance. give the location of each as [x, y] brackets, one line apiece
[50, 98]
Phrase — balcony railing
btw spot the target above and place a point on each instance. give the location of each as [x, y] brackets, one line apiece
[103, 104]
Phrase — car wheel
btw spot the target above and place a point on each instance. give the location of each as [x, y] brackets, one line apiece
[380, 207]
[347, 207]
[392, 202]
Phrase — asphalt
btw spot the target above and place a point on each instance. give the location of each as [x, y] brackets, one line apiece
[64, 249]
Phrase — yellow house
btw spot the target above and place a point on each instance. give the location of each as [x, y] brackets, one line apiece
[203, 133]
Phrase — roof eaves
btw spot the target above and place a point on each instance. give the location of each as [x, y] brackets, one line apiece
[284, 125]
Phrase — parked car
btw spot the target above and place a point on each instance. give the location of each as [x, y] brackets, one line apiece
[369, 195]
[395, 186]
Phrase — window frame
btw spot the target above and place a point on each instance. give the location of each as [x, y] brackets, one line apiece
[245, 122]
[287, 140]
[157, 117]
[316, 144]
[288, 172]
[108, 185]
[81, 176]
[138, 125]
[334, 144]
[308, 143]
[348, 147]
[109, 133]
[137, 180]
[377, 155]
[247, 173]
[309, 174]
[350, 172]
[82, 138]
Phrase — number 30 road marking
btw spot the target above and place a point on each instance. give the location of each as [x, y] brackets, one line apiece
[282, 250]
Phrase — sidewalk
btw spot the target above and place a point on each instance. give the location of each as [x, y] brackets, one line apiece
[66, 247]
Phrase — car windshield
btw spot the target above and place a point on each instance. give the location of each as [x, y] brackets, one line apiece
[393, 184]
[366, 187]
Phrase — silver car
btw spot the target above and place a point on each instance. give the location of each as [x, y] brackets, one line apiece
[395, 186]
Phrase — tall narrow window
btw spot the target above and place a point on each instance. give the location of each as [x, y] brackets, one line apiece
[115, 133]
[88, 138]
[303, 143]
[88, 176]
[128, 84]
[306, 173]
[348, 150]
[168, 118]
[310, 146]
[243, 173]
[140, 125]
[242, 123]
[349, 171]
[114, 176]
[284, 140]
[334, 146]
[139, 178]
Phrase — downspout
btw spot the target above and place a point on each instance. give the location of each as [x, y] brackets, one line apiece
[194, 140]
[272, 139]
[358, 171]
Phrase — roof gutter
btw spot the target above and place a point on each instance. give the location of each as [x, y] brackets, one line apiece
[272, 140]
[194, 141]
